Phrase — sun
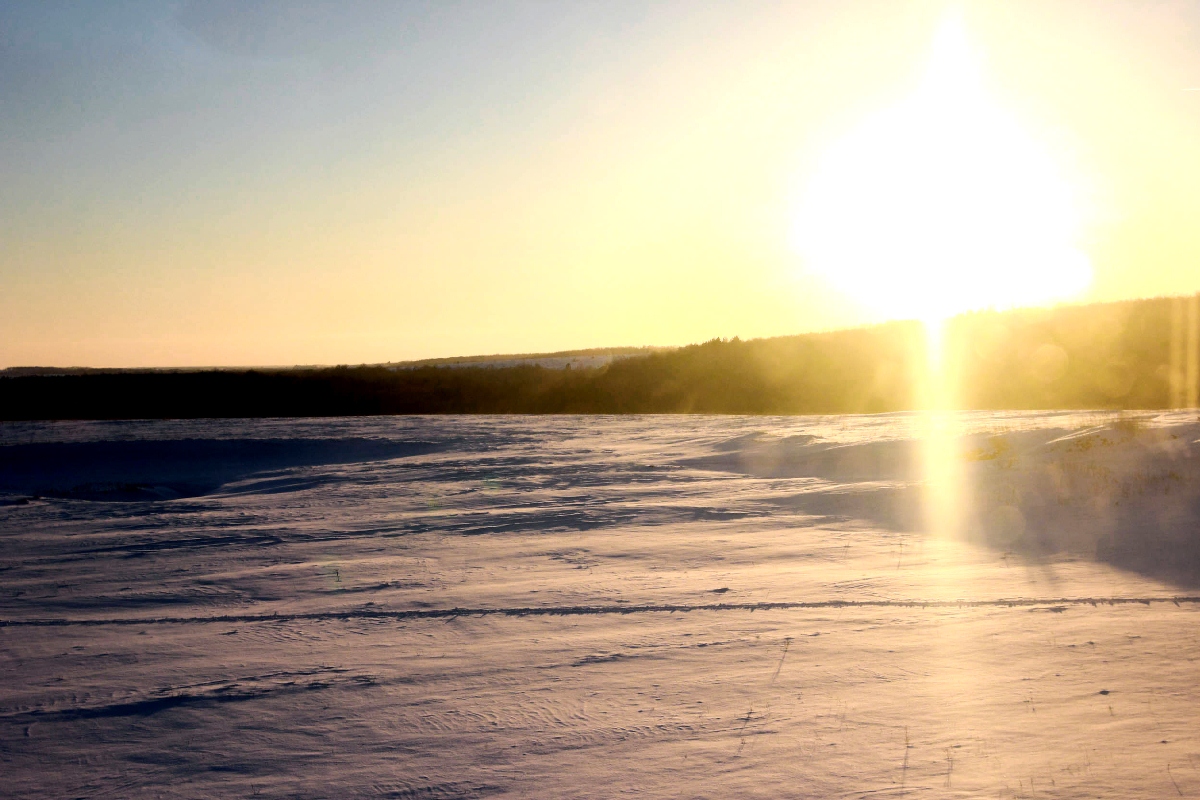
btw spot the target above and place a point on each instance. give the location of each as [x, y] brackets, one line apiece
[942, 203]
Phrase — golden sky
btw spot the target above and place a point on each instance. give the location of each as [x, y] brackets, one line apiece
[228, 183]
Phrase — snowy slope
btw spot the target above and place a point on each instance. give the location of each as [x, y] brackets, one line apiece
[591, 606]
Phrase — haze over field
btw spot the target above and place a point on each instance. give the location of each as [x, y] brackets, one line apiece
[225, 183]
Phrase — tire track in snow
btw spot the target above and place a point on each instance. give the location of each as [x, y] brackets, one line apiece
[1050, 604]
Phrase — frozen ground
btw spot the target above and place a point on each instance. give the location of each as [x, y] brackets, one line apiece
[597, 607]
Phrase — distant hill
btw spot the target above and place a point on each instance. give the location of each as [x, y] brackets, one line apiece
[562, 359]
[1117, 355]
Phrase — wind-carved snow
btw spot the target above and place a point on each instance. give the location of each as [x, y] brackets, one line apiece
[590, 606]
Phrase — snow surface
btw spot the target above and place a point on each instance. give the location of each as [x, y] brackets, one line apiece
[651, 606]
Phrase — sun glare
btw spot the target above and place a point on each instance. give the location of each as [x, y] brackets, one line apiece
[942, 203]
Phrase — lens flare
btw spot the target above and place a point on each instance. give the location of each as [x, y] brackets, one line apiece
[942, 203]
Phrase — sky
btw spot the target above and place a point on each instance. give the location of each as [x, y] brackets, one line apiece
[262, 183]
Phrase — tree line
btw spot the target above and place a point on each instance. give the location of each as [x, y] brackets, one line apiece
[1116, 355]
